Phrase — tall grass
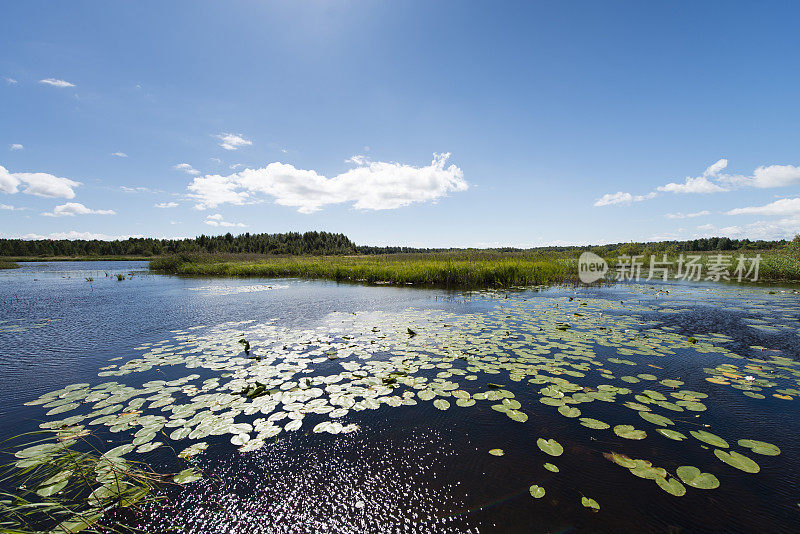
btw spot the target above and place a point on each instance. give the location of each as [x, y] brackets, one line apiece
[433, 270]
[52, 486]
[8, 265]
[454, 270]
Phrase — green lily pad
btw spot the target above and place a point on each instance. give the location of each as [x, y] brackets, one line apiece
[590, 503]
[441, 404]
[692, 476]
[187, 476]
[760, 447]
[550, 446]
[629, 432]
[537, 492]
[656, 419]
[671, 486]
[708, 437]
[497, 452]
[569, 411]
[671, 434]
[594, 424]
[739, 461]
[551, 467]
[517, 415]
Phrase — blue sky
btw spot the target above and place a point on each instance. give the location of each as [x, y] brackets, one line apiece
[565, 122]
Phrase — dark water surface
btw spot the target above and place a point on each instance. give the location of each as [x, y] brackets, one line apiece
[415, 468]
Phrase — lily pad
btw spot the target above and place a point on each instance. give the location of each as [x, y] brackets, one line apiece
[441, 404]
[739, 461]
[551, 467]
[497, 452]
[629, 432]
[692, 476]
[187, 476]
[671, 486]
[590, 503]
[537, 492]
[550, 446]
[708, 437]
[760, 447]
[594, 424]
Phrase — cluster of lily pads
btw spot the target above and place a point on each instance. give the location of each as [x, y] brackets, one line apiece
[569, 353]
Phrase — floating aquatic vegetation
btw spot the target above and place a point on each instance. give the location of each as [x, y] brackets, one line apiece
[537, 492]
[315, 379]
[692, 476]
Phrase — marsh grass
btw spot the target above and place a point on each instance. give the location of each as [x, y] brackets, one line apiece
[472, 269]
[61, 483]
[464, 270]
[8, 265]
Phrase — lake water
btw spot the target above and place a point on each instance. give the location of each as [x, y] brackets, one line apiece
[378, 406]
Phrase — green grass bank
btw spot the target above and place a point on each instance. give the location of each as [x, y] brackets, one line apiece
[452, 270]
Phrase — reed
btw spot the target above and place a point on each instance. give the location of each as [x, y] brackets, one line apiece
[471, 269]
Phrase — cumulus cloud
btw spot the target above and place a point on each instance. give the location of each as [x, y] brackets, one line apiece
[9, 207]
[185, 167]
[119, 154]
[11, 81]
[699, 184]
[70, 209]
[680, 215]
[714, 180]
[783, 228]
[16, 146]
[166, 205]
[231, 141]
[622, 198]
[40, 184]
[216, 220]
[784, 206]
[370, 186]
[55, 82]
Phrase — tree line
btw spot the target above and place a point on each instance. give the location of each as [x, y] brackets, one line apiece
[293, 243]
[326, 243]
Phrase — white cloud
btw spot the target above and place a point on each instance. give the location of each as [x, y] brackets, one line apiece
[357, 160]
[185, 167]
[699, 184]
[70, 209]
[55, 82]
[119, 154]
[126, 189]
[775, 176]
[166, 205]
[232, 141]
[37, 183]
[373, 186]
[216, 160]
[16, 146]
[713, 180]
[622, 198]
[784, 206]
[785, 228]
[234, 166]
[72, 234]
[680, 215]
[216, 220]
[11, 81]
[8, 207]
